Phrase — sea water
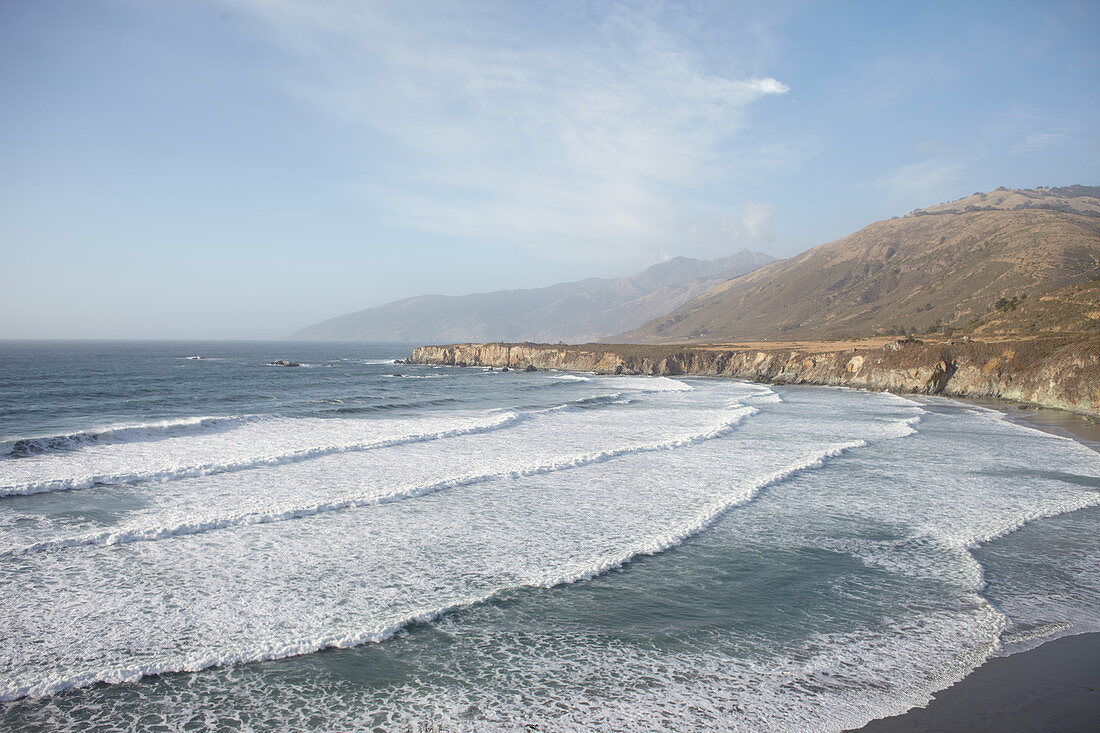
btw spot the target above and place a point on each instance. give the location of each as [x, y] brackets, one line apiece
[191, 538]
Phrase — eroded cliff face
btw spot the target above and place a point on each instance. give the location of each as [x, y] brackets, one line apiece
[1050, 372]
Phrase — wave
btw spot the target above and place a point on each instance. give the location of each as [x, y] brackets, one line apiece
[118, 537]
[496, 422]
[762, 398]
[387, 406]
[584, 403]
[706, 516]
[675, 536]
[651, 384]
[125, 433]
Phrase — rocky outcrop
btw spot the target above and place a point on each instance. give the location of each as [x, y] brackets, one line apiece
[1048, 372]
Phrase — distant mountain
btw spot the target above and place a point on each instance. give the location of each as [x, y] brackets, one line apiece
[574, 312]
[945, 265]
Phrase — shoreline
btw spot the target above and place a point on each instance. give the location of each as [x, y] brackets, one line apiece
[1052, 372]
[1082, 428]
[1054, 686]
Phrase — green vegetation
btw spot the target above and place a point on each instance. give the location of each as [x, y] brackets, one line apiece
[1004, 305]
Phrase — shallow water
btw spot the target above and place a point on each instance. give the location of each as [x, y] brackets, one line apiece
[196, 542]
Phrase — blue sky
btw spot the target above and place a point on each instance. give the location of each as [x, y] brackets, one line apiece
[242, 168]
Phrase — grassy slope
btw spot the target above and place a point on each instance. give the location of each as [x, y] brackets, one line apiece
[947, 265]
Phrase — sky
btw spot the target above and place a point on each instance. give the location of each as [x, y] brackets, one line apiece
[223, 169]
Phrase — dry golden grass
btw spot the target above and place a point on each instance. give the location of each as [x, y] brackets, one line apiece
[942, 267]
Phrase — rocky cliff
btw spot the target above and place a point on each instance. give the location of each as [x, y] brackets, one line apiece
[1050, 372]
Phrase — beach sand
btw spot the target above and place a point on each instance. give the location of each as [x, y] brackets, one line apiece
[1059, 422]
[1054, 687]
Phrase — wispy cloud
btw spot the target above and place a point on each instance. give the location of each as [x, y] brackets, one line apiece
[890, 80]
[1038, 141]
[584, 133]
[920, 184]
[752, 228]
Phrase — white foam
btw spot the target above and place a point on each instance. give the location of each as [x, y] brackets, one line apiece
[650, 384]
[121, 433]
[921, 489]
[146, 533]
[568, 550]
[272, 443]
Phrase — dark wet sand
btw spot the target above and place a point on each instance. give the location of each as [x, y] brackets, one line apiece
[1054, 687]
[1059, 422]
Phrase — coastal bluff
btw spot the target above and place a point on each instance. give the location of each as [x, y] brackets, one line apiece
[1048, 372]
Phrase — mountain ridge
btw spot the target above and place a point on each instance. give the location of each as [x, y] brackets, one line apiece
[581, 310]
[935, 268]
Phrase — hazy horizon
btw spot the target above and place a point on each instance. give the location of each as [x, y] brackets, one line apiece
[239, 169]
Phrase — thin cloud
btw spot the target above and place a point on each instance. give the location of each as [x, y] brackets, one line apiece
[920, 183]
[1038, 141]
[584, 140]
[768, 86]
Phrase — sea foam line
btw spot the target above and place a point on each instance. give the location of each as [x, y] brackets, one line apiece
[194, 663]
[126, 433]
[87, 482]
[497, 422]
[119, 537]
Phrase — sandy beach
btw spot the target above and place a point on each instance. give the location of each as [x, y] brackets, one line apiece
[1052, 688]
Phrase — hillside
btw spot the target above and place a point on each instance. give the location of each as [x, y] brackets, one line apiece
[940, 267]
[1070, 311]
[578, 311]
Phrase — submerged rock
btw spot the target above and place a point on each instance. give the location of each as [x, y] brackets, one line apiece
[531, 368]
[283, 362]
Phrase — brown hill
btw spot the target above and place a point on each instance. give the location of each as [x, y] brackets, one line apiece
[944, 266]
[1070, 311]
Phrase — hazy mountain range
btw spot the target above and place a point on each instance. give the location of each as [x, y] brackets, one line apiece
[950, 265]
[945, 265]
[573, 312]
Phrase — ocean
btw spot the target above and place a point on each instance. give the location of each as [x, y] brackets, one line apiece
[194, 539]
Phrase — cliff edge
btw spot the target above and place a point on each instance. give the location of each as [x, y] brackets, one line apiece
[1060, 372]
